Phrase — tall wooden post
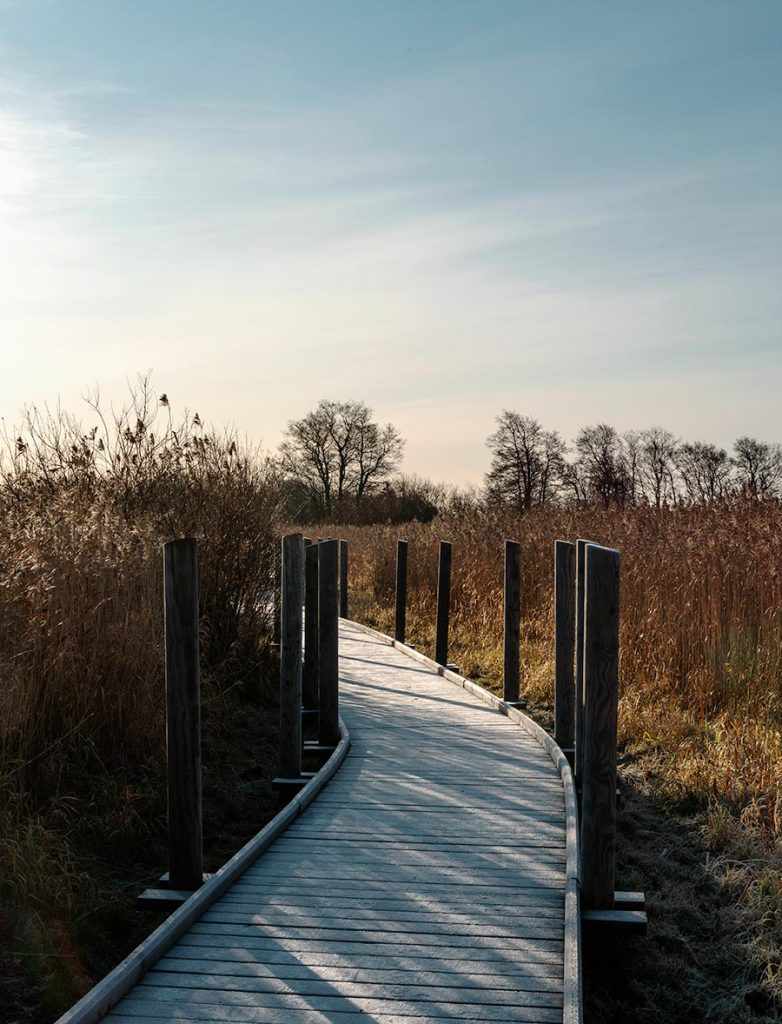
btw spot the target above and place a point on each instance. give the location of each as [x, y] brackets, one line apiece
[290, 656]
[601, 687]
[564, 644]
[310, 674]
[183, 715]
[277, 598]
[512, 608]
[343, 579]
[578, 765]
[401, 591]
[328, 644]
[443, 603]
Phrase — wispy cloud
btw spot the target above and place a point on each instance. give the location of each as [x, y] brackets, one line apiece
[521, 212]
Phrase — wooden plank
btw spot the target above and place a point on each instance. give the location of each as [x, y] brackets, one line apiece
[280, 1010]
[289, 1016]
[391, 910]
[506, 978]
[451, 926]
[374, 961]
[283, 934]
[297, 1016]
[146, 997]
[209, 986]
[210, 936]
[526, 860]
[627, 921]
[533, 834]
[376, 889]
[454, 844]
[552, 878]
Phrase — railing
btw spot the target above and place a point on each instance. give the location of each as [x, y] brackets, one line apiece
[185, 889]
[586, 692]
[313, 594]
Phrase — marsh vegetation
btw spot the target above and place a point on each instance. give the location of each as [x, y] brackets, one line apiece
[85, 508]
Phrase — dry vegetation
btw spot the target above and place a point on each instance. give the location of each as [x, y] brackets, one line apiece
[83, 516]
[700, 720]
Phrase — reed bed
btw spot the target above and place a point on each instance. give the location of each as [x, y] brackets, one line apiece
[700, 724]
[701, 626]
[84, 514]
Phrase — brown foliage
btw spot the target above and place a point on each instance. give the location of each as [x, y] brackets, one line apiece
[701, 632]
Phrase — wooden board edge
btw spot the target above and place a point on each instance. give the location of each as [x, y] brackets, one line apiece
[99, 1001]
[573, 1007]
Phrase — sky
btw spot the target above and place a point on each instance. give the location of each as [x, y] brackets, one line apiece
[442, 208]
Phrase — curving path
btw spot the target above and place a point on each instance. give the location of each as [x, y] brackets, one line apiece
[427, 882]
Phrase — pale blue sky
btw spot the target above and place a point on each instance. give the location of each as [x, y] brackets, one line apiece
[441, 207]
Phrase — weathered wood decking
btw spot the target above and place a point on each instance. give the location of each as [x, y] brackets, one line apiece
[427, 882]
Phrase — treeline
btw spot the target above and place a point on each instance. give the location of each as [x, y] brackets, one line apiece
[533, 466]
[337, 463]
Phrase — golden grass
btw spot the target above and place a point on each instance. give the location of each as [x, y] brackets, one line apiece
[83, 519]
[700, 716]
[701, 625]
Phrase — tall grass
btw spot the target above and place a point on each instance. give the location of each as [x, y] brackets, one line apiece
[700, 722]
[84, 512]
[701, 626]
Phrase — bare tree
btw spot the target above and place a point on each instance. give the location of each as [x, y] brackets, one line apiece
[527, 461]
[632, 457]
[379, 452]
[600, 470]
[704, 470]
[758, 466]
[308, 456]
[659, 449]
[336, 452]
[552, 470]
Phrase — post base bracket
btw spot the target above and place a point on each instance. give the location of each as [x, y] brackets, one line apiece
[628, 915]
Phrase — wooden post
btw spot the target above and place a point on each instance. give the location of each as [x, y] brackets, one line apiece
[564, 645]
[443, 603]
[183, 715]
[276, 626]
[328, 645]
[512, 606]
[310, 676]
[401, 591]
[343, 579]
[578, 765]
[601, 686]
[290, 656]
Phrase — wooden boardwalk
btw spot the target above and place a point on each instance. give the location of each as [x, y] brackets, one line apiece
[427, 882]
